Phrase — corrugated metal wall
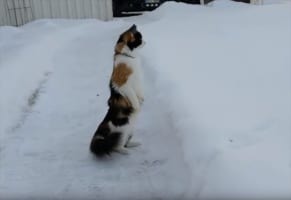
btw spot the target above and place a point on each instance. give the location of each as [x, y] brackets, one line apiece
[19, 12]
[3, 13]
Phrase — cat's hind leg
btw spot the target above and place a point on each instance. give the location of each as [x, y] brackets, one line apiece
[121, 146]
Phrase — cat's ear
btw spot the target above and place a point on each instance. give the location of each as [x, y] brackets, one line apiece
[132, 28]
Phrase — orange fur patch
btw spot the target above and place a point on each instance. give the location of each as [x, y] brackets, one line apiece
[119, 47]
[120, 74]
[126, 37]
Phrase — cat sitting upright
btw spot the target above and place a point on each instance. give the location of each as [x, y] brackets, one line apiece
[116, 130]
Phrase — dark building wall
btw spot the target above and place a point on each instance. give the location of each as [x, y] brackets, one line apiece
[125, 7]
[245, 1]
[207, 1]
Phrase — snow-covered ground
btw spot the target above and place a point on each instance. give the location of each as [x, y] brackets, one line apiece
[215, 123]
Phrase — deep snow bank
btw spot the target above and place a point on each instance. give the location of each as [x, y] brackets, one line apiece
[224, 73]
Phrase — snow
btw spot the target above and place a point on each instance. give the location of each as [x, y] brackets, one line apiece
[266, 2]
[216, 119]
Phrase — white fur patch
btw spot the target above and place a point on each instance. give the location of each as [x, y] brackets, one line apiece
[133, 90]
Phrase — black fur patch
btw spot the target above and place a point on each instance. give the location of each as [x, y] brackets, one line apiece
[137, 42]
[120, 39]
[104, 146]
[113, 115]
[104, 141]
[137, 38]
[115, 95]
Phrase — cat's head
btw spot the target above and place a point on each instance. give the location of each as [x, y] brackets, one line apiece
[129, 40]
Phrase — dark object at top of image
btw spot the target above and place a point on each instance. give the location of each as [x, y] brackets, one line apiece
[135, 7]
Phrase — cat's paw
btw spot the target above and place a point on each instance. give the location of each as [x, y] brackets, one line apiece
[141, 100]
[132, 144]
[123, 151]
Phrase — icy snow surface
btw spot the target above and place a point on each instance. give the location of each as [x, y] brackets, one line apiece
[215, 123]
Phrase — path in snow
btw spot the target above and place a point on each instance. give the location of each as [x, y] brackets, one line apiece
[48, 156]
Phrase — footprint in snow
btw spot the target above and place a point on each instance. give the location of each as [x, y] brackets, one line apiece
[153, 163]
[252, 136]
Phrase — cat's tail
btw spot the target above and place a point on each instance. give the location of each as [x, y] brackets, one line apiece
[101, 146]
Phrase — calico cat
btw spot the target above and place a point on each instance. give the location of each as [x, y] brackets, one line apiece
[126, 97]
